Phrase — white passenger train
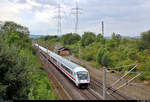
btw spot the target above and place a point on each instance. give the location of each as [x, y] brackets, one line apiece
[79, 75]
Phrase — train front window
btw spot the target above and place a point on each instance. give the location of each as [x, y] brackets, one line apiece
[82, 75]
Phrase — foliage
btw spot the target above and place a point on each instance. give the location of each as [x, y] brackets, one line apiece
[99, 37]
[13, 74]
[70, 38]
[145, 41]
[117, 38]
[52, 38]
[87, 38]
[11, 27]
[111, 44]
[113, 52]
[103, 56]
[41, 89]
[19, 69]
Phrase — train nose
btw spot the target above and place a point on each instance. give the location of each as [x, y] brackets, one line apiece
[83, 81]
[83, 85]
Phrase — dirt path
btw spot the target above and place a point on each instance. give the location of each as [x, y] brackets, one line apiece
[140, 92]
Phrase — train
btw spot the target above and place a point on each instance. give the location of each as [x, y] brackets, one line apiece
[76, 73]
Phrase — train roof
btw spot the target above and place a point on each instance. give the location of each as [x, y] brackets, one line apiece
[77, 69]
[70, 64]
[66, 62]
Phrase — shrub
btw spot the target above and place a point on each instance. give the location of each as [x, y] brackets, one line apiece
[103, 56]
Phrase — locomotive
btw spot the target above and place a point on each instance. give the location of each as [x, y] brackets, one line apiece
[79, 75]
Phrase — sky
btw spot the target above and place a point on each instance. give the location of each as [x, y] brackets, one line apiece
[125, 17]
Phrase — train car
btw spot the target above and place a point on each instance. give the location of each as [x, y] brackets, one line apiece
[79, 75]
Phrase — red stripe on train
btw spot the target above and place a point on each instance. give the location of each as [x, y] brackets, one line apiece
[62, 70]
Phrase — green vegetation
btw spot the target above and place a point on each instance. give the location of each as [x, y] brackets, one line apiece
[88, 38]
[113, 52]
[103, 57]
[21, 75]
[70, 38]
[145, 41]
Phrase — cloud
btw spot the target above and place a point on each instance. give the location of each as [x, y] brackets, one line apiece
[127, 17]
[10, 10]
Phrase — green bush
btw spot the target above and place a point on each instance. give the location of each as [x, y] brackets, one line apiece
[20, 75]
[145, 41]
[89, 57]
[144, 76]
[88, 38]
[103, 57]
[114, 52]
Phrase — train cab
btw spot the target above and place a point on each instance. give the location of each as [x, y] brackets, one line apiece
[83, 78]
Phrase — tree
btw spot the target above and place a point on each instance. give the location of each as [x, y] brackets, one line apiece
[11, 27]
[99, 37]
[19, 67]
[145, 41]
[103, 56]
[117, 38]
[111, 43]
[70, 38]
[51, 38]
[88, 38]
[14, 80]
[15, 33]
[106, 59]
[14, 76]
[103, 41]
[100, 55]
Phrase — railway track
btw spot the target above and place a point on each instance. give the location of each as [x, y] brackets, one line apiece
[87, 94]
[94, 91]
[56, 86]
[90, 94]
[112, 93]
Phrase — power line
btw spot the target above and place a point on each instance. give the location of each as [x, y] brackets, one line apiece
[77, 11]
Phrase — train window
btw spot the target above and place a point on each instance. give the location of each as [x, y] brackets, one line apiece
[71, 72]
[82, 75]
[67, 69]
[62, 66]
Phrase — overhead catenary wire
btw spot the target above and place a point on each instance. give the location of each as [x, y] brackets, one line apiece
[123, 76]
[122, 66]
[127, 83]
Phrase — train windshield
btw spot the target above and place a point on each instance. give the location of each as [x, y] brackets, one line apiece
[82, 75]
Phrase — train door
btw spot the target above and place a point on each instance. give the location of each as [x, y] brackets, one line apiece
[75, 76]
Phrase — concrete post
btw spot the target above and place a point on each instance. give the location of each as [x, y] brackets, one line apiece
[104, 83]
